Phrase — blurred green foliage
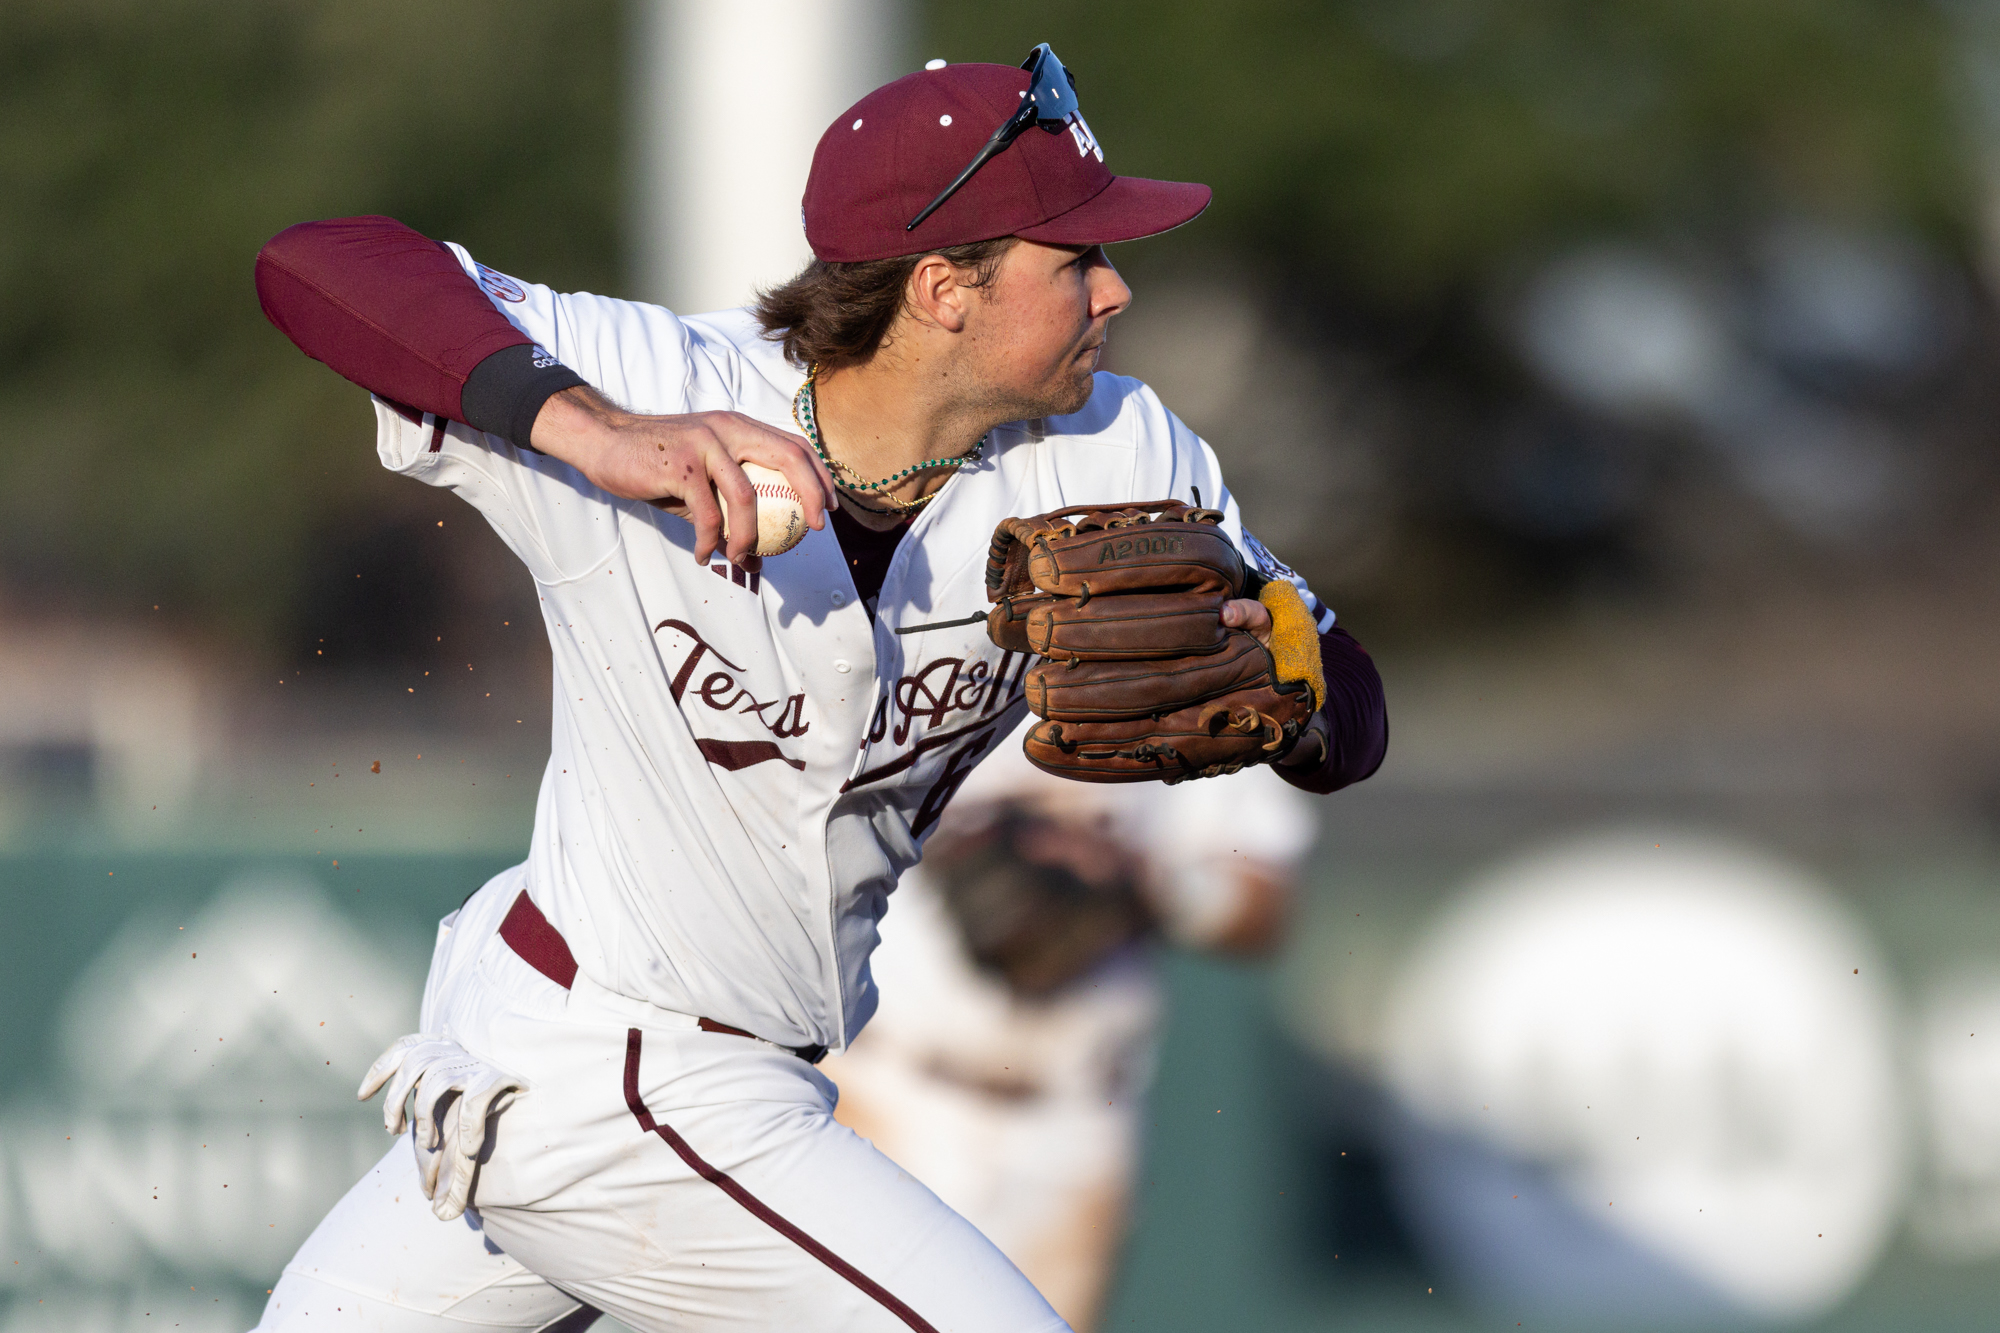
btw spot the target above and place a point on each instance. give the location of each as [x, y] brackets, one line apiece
[164, 442]
[1381, 156]
[1398, 150]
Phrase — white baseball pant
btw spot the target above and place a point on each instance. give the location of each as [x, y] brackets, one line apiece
[675, 1178]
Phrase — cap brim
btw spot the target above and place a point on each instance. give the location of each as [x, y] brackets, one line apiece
[1125, 210]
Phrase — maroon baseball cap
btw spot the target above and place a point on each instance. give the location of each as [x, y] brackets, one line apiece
[892, 152]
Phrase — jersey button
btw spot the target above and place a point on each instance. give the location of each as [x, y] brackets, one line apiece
[842, 666]
[838, 598]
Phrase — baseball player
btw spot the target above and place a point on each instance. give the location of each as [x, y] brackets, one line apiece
[614, 1088]
[1008, 1064]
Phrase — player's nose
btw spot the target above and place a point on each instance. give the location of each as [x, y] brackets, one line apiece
[1108, 293]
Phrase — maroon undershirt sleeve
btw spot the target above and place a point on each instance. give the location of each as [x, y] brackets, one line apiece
[387, 307]
[1357, 718]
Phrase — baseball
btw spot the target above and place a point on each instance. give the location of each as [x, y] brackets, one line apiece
[781, 518]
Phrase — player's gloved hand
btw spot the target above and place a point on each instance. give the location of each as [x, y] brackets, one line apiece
[689, 464]
[1255, 619]
[1163, 656]
[456, 1093]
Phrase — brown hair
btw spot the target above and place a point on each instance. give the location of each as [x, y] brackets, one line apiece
[838, 314]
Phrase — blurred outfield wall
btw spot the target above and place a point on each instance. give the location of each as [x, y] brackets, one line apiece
[182, 1024]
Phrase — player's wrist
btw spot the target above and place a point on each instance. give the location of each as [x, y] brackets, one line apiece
[577, 426]
[506, 391]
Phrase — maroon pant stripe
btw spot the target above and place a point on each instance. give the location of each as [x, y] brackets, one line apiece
[756, 1206]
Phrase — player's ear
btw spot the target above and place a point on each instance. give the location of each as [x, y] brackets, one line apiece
[937, 294]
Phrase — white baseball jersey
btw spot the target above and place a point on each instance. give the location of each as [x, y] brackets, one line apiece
[741, 766]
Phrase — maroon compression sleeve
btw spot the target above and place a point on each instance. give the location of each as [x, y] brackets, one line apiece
[385, 306]
[1357, 718]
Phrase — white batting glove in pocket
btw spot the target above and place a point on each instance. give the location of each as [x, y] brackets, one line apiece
[456, 1094]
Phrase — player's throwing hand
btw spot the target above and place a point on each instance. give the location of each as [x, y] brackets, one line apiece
[454, 1087]
[688, 464]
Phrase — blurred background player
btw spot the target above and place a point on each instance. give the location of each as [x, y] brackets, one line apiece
[1008, 1065]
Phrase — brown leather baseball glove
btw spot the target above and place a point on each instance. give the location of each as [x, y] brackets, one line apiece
[1142, 682]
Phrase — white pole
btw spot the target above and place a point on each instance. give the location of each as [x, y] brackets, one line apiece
[730, 97]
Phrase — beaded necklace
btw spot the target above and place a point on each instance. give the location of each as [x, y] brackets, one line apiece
[804, 403]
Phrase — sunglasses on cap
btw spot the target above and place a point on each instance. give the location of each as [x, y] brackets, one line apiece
[1050, 102]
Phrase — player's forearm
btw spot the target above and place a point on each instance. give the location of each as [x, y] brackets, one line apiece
[1353, 724]
[393, 311]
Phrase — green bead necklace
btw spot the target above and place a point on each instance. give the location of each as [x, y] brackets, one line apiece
[803, 404]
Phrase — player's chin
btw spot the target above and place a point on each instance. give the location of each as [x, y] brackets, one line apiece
[1074, 393]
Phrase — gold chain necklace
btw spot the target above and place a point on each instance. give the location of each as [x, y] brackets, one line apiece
[804, 411]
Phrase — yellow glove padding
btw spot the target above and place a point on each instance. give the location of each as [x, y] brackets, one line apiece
[1294, 638]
